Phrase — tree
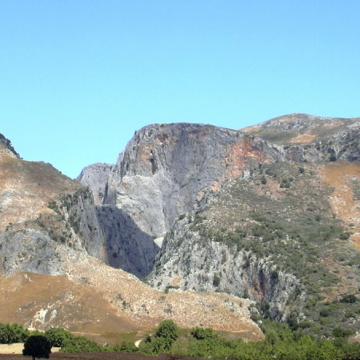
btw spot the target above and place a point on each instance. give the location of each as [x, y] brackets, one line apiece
[12, 333]
[168, 330]
[58, 336]
[37, 346]
[164, 337]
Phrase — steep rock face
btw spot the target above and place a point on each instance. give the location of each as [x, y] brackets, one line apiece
[164, 172]
[166, 169]
[96, 178]
[127, 246]
[191, 262]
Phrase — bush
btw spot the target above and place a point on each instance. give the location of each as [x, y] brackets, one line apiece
[167, 330]
[341, 333]
[79, 344]
[165, 335]
[126, 346]
[156, 345]
[349, 299]
[37, 346]
[202, 334]
[344, 236]
[12, 333]
[58, 336]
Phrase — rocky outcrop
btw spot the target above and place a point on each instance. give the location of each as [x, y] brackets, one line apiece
[307, 138]
[6, 147]
[127, 246]
[44, 215]
[165, 171]
[96, 178]
[190, 262]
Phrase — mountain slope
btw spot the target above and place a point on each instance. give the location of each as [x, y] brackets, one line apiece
[285, 235]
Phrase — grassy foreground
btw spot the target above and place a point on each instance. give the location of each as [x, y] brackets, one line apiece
[280, 343]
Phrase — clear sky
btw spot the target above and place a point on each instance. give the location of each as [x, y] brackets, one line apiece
[78, 77]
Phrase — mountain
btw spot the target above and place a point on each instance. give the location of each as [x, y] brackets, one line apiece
[54, 264]
[269, 213]
[204, 225]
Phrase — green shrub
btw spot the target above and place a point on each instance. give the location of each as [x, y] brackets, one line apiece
[156, 345]
[12, 333]
[165, 335]
[79, 344]
[58, 336]
[202, 334]
[344, 235]
[341, 333]
[349, 299]
[126, 346]
[167, 330]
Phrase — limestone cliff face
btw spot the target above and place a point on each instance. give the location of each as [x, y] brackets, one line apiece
[188, 261]
[96, 178]
[166, 169]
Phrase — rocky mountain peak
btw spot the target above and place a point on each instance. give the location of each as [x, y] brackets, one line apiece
[95, 177]
[6, 147]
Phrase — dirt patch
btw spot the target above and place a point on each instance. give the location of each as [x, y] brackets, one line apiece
[303, 139]
[345, 206]
[239, 155]
[40, 301]
[147, 307]
[107, 304]
[18, 348]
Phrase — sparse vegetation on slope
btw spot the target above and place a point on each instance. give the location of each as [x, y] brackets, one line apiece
[280, 217]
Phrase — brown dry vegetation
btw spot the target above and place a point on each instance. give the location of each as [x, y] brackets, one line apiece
[40, 301]
[107, 303]
[147, 307]
[345, 206]
[303, 139]
[27, 187]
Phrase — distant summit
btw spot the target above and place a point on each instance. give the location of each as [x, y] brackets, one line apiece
[5, 145]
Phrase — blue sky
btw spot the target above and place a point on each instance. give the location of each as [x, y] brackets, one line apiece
[78, 77]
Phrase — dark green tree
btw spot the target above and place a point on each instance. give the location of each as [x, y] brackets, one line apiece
[168, 330]
[58, 336]
[37, 346]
